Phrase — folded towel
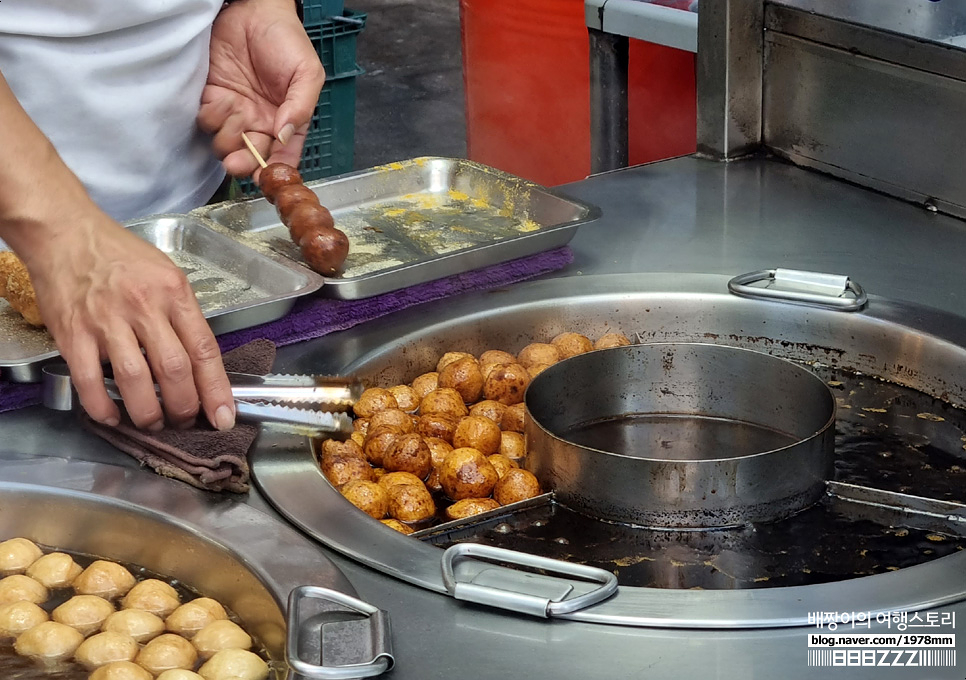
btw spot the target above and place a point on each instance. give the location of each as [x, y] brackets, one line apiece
[201, 456]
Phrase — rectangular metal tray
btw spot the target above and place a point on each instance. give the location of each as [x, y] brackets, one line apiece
[419, 220]
[236, 288]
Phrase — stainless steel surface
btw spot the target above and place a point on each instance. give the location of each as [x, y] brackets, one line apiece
[729, 78]
[679, 308]
[608, 100]
[674, 217]
[332, 623]
[419, 220]
[543, 591]
[645, 21]
[236, 288]
[682, 435]
[230, 552]
[798, 287]
[325, 392]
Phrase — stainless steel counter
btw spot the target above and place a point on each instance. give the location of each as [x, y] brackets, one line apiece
[684, 215]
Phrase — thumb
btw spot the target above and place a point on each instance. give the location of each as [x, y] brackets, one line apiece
[300, 100]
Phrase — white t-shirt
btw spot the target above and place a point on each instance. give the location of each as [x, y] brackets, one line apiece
[116, 86]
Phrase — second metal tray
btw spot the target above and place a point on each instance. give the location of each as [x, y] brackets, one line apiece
[236, 288]
[419, 220]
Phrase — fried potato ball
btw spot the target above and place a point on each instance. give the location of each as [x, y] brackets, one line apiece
[572, 344]
[49, 641]
[492, 357]
[105, 579]
[488, 409]
[357, 437]
[538, 353]
[18, 588]
[501, 463]
[470, 506]
[373, 400]
[445, 401]
[392, 417]
[464, 376]
[396, 525]
[85, 613]
[506, 383]
[19, 617]
[220, 635]
[466, 473]
[54, 570]
[121, 670]
[409, 453]
[410, 503]
[450, 357]
[378, 444]
[432, 482]
[537, 369]
[192, 616]
[513, 418]
[154, 596]
[406, 397]
[166, 652]
[609, 340]
[179, 674]
[360, 425]
[391, 479]
[140, 625]
[438, 448]
[104, 648]
[425, 383]
[437, 426]
[368, 497]
[516, 485]
[513, 445]
[16, 554]
[477, 432]
[343, 462]
[234, 664]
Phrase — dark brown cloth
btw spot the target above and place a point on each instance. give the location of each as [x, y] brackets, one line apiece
[201, 456]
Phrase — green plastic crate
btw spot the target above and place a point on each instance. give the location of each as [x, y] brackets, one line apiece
[330, 141]
[316, 11]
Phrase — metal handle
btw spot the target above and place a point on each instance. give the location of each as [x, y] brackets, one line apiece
[827, 289]
[375, 652]
[498, 593]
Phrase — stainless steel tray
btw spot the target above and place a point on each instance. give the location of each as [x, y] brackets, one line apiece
[236, 288]
[419, 220]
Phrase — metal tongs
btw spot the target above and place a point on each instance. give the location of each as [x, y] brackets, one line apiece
[307, 404]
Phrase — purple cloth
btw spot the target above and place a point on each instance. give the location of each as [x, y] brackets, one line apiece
[314, 317]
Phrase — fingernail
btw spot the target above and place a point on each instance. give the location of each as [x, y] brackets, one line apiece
[224, 418]
[156, 426]
[112, 421]
[286, 133]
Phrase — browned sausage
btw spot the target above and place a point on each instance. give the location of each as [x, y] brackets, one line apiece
[307, 218]
[274, 176]
[325, 250]
[289, 196]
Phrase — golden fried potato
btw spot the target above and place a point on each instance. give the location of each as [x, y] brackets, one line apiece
[379, 442]
[513, 418]
[464, 376]
[466, 473]
[54, 570]
[470, 506]
[450, 357]
[18, 588]
[358, 437]
[492, 357]
[572, 344]
[16, 554]
[516, 485]
[393, 417]
[342, 462]
[477, 432]
[373, 400]
[506, 383]
[104, 579]
[367, 496]
[391, 479]
[360, 425]
[437, 426]
[445, 401]
[122, 670]
[488, 409]
[234, 664]
[19, 617]
[513, 445]
[189, 618]
[432, 482]
[85, 613]
[104, 648]
[154, 596]
[219, 635]
[409, 453]
[538, 353]
[501, 463]
[609, 340]
[537, 369]
[410, 503]
[407, 399]
[49, 641]
[425, 383]
[140, 625]
[398, 526]
[166, 652]
[438, 449]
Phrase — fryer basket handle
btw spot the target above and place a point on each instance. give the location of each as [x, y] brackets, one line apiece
[805, 288]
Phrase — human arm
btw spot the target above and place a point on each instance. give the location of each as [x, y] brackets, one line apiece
[104, 293]
[264, 79]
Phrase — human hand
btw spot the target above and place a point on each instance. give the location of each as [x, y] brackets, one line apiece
[103, 294]
[264, 79]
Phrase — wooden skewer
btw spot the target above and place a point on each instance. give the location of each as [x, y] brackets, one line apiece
[251, 147]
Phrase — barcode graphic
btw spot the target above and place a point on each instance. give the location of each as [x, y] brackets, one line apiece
[882, 657]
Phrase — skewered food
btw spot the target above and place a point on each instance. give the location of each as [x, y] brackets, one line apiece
[306, 217]
[140, 625]
[85, 613]
[105, 648]
[291, 195]
[274, 176]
